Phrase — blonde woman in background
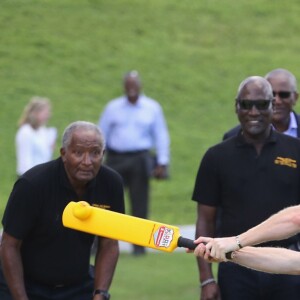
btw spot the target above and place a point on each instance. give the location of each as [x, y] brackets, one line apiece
[35, 142]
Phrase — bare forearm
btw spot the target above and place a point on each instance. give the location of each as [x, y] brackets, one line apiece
[105, 263]
[284, 224]
[13, 272]
[205, 270]
[270, 260]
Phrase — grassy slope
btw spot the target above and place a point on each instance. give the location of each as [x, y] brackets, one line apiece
[192, 56]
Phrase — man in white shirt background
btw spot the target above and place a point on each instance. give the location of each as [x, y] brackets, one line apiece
[134, 126]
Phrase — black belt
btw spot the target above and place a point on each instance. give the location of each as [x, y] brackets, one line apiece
[136, 152]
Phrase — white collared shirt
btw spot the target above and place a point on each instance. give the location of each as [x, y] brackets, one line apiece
[292, 130]
[134, 127]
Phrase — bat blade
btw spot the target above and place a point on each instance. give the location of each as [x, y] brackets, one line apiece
[83, 217]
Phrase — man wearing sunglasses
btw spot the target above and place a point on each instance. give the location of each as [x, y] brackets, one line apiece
[250, 176]
[285, 119]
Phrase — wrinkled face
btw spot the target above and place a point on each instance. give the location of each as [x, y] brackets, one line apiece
[254, 110]
[285, 97]
[132, 87]
[83, 157]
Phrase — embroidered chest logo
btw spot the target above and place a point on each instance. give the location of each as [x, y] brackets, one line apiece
[284, 161]
[104, 206]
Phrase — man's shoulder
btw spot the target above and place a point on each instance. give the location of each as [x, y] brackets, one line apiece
[232, 132]
[115, 103]
[297, 116]
[42, 172]
[286, 138]
[108, 173]
[148, 99]
[223, 148]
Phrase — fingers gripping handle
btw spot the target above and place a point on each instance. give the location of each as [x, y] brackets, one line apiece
[186, 243]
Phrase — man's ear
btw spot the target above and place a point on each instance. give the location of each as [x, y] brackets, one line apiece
[295, 98]
[236, 106]
[63, 154]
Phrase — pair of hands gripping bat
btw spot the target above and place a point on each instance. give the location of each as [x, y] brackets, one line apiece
[215, 249]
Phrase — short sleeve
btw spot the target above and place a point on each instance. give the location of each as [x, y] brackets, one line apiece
[207, 186]
[22, 210]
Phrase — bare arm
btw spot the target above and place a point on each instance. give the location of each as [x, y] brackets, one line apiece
[105, 263]
[12, 266]
[270, 260]
[282, 225]
[206, 226]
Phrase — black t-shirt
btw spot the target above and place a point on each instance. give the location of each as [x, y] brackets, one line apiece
[249, 187]
[51, 253]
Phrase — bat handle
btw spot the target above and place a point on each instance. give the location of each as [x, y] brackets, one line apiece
[186, 243]
[228, 255]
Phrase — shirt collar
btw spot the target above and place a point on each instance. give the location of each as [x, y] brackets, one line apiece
[240, 140]
[292, 130]
[139, 101]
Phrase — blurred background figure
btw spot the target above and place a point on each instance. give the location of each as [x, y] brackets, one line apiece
[134, 126]
[35, 142]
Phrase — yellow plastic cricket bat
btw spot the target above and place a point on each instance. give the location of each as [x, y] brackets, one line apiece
[84, 217]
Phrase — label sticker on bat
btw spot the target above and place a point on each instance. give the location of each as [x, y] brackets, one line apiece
[163, 236]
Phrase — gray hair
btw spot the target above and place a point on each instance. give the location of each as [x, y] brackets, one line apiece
[285, 74]
[68, 132]
[258, 81]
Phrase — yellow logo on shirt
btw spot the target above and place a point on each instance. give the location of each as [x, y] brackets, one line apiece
[284, 161]
[104, 206]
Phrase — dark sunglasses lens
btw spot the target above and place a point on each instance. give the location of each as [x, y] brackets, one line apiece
[282, 95]
[262, 104]
[259, 104]
[245, 104]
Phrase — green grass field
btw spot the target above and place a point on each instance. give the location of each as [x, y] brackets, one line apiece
[191, 55]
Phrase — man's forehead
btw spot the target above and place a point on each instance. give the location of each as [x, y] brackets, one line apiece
[84, 136]
[283, 81]
[254, 91]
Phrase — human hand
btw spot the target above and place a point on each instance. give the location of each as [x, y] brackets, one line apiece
[215, 249]
[160, 172]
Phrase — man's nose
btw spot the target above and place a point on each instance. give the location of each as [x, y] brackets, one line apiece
[254, 110]
[87, 159]
[277, 99]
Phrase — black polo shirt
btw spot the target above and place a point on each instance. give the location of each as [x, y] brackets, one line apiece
[249, 187]
[51, 253]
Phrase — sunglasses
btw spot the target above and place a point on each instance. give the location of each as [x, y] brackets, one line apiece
[259, 104]
[282, 94]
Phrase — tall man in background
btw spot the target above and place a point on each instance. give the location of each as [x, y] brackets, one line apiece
[134, 125]
[250, 176]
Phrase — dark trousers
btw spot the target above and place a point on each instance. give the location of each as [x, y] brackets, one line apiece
[240, 283]
[37, 291]
[135, 168]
